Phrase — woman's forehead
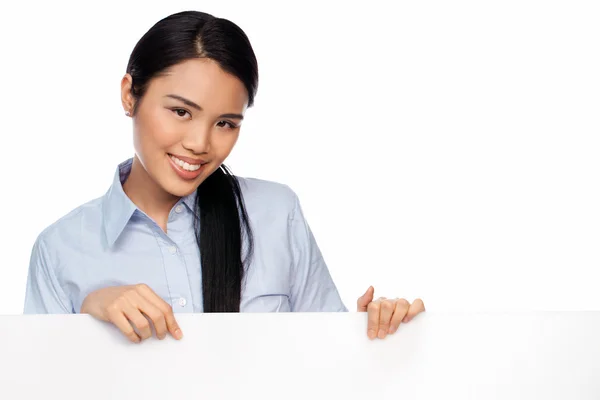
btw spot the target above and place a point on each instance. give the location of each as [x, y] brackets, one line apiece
[202, 81]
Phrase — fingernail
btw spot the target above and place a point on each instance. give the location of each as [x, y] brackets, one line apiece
[178, 334]
[382, 333]
[371, 334]
[392, 330]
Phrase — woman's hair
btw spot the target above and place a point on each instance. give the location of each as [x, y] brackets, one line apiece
[221, 224]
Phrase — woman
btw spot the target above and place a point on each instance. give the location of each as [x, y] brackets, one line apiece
[176, 232]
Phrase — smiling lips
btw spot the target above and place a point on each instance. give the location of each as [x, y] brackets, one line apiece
[187, 164]
[186, 168]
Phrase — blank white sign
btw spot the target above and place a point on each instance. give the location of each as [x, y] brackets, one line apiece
[306, 356]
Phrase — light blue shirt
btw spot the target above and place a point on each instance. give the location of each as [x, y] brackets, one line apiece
[109, 242]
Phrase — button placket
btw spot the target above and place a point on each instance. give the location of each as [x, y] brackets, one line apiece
[174, 256]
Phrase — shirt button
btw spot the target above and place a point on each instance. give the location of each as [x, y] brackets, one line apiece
[179, 209]
[172, 249]
[182, 302]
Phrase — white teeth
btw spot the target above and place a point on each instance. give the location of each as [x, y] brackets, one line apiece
[184, 165]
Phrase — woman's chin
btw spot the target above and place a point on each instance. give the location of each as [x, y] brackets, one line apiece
[182, 189]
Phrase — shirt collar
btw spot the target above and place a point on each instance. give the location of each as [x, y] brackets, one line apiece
[190, 201]
[117, 208]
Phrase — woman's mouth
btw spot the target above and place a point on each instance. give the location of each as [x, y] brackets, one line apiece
[185, 165]
[188, 168]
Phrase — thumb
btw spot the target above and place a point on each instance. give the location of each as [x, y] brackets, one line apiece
[363, 301]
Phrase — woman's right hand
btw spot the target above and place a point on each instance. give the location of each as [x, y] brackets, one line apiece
[131, 306]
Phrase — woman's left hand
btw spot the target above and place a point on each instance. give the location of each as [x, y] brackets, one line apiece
[385, 315]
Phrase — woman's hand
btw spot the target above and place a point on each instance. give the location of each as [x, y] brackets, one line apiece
[385, 315]
[133, 306]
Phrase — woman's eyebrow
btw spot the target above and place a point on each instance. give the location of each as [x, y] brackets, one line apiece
[185, 101]
[234, 116]
[197, 107]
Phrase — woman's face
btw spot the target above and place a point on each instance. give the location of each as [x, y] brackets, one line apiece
[187, 123]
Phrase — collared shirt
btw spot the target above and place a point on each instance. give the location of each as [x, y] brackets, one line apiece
[110, 242]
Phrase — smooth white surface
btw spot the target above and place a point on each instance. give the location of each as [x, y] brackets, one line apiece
[447, 150]
[479, 356]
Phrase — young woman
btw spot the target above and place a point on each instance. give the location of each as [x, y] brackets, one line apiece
[176, 232]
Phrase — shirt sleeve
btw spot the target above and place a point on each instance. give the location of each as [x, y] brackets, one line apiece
[312, 288]
[44, 294]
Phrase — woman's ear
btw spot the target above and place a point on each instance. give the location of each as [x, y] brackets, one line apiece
[126, 97]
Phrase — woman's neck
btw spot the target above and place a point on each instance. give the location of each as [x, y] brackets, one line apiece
[147, 195]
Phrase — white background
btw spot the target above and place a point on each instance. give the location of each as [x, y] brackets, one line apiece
[443, 150]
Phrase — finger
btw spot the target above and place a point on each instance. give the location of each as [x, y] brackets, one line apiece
[400, 311]
[154, 314]
[117, 318]
[159, 322]
[139, 321]
[166, 310]
[416, 308]
[373, 310]
[363, 301]
[385, 316]
[171, 323]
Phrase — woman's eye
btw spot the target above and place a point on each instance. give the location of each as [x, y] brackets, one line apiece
[226, 124]
[180, 112]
